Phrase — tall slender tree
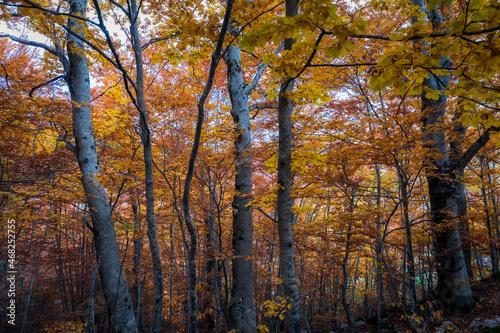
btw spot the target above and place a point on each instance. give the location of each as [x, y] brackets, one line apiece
[284, 199]
[76, 72]
[193, 301]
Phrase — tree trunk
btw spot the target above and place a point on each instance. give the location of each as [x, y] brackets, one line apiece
[403, 185]
[379, 247]
[242, 308]
[284, 200]
[139, 310]
[456, 150]
[148, 173]
[345, 281]
[495, 211]
[453, 280]
[444, 194]
[113, 281]
[493, 254]
[212, 275]
[193, 300]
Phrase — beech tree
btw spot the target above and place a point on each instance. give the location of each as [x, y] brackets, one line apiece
[242, 308]
[348, 179]
[284, 199]
[444, 175]
[77, 77]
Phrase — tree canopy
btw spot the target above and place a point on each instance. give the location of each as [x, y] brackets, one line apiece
[295, 165]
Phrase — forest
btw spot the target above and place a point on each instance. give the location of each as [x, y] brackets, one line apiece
[249, 166]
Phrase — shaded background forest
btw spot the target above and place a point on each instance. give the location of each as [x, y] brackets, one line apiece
[363, 237]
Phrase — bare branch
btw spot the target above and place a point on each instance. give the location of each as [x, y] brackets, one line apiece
[126, 78]
[6, 75]
[199, 124]
[265, 214]
[261, 107]
[308, 62]
[57, 78]
[260, 70]
[252, 20]
[432, 35]
[480, 103]
[474, 149]
[31, 43]
[69, 145]
[107, 89]
[120, 7]
[36, 6]
[345, 65]
[160, 39]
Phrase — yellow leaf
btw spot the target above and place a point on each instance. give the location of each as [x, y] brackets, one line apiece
[397, 37]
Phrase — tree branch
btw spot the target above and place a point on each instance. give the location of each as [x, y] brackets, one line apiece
[260, 70]
[107, 89]
[265, 214]
[57, 78]
[160, 39]
[36, 6]
[252, 20]
[201, 110]
[6, 75]
[31, 43]
[345, 65]
[126, 12]
[261, 107]
[474, 149]
[431, 35]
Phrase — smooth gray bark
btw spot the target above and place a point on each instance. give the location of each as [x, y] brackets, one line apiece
[148, 172]
[444, 194]
[113, 282]
[242, 307]
[284, 199]
[456, 150]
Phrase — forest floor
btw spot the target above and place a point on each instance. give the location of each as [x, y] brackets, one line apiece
[481, 319]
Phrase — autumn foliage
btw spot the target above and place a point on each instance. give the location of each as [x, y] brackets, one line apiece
[364, 151]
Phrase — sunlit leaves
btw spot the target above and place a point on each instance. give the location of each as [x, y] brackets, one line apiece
[278, 307]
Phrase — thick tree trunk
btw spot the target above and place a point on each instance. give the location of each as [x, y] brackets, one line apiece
[242, 308]
[444, 193]
[453, 280]
[456, 150]
[113, 281]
